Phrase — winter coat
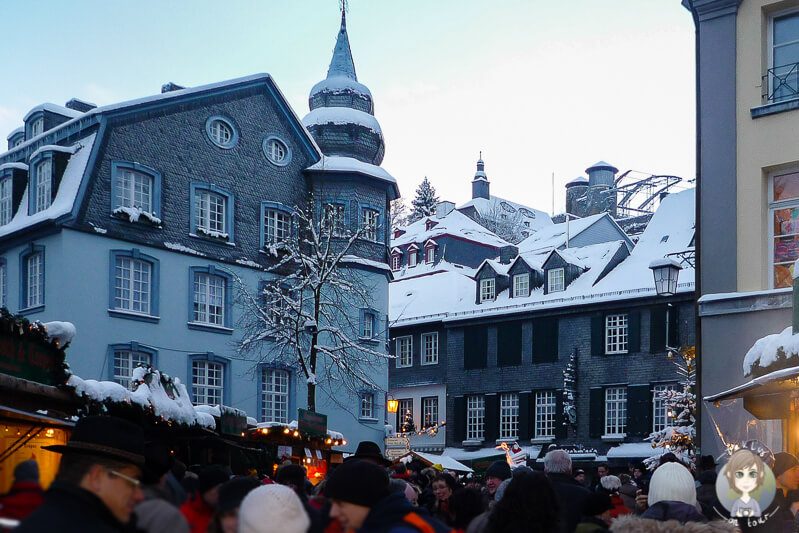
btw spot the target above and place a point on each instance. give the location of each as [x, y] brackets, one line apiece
[669, 510]
[198, 514]
[627, 492]
[571, 496]
[639, 524]
[707, 497]
[394, 514]
[479, 523]
[156, 514]
[591, 524]
[70, 509]
[23, 498]
[618, 506]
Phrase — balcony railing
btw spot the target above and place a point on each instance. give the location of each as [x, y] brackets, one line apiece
[781, 83]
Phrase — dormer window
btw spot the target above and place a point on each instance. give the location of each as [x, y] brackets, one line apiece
[37, 127]
[556, 279]
[412, 257]
[430, 251]
[396, 260]
[430, 224]
[6, 209]
[521, 285]
[398, 233]
[488, 289]
[43, 185]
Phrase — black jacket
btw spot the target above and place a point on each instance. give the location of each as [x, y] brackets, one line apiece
[671, 510]
[388, 516]
[71, 509]
[571, 496]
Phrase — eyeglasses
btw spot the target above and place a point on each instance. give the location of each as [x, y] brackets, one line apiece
[134, 483]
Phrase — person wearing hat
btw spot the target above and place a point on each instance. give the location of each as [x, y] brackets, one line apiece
[26, 493]
[158, 512]
[579, 477]
[231, 494]
[369, 451]
[498, 472]
[596, 510]
[98, 481]
[786, 474]
[272, 509]
[296, 478]
[199, 508]
[361, 501]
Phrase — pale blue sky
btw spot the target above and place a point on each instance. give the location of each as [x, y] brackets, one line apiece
[539, 86]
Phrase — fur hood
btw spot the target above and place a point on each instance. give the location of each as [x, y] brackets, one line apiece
[636, 524]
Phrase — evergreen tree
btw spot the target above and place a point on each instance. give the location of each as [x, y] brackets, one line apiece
[570, 393]
[424, 204]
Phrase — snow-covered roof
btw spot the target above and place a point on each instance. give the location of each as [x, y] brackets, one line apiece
[602, 165]
[579, 180]
[340, 84]
[341, 115]
[54, 148]
[350, 164]
[53, 108]
[496, 266]
[19, 166]
[761, 382]
[453, 223]
[16, 131]
[554, 235]
[771, 351]
[632, 450]
[495, 206]
[67, 190]
[424, 268]
[433, 295]
[446, 462]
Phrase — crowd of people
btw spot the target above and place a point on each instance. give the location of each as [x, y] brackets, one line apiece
[110, 480]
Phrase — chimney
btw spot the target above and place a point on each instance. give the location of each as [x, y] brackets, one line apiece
[444, 208]
[79, 105]
[480, 185]
[508, 254]
[170, 86]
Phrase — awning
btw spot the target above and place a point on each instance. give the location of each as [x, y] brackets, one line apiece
[767, 397]
[446, 462]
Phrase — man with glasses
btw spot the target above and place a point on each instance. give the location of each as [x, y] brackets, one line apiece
[98, 480]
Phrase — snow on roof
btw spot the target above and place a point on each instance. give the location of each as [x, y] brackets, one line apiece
[353, 259]
[340, 84]
[602, 164]
[771, 349]
[495, 206]
[16, 131]
[453, 223]
[54, 148]
[20, 166]
[350, 164]
[578, 180]
[65, 197]
[417, 297]
[425, 269]
[341, 115]
[468, 455]
[671, 230]
[446, 462]
[53, 108]
[631, 450]
[554, 235]
[496, 266]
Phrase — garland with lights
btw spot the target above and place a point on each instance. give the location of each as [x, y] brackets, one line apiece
[290, 431]
[18, 326]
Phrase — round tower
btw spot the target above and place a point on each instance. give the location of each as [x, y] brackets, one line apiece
[601, 173]
[575, 190]
[342, 110]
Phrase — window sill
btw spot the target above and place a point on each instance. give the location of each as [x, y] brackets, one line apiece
[213, 240]
[508, 440]
[618, 353]
[210, 328]
[369, 340]
[31, 310]
[776, 107]
[542, 440]
[368, 420]
[404, 366]
[474, 444]
[131, 315]
[618, 437]
[430, 364]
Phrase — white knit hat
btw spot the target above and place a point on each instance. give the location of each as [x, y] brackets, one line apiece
[272, 509]
[672, 482]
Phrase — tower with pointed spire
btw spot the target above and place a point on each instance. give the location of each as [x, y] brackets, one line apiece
[480, 185]
[342, 119]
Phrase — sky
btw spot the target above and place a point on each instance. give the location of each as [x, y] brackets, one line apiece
[540, 87]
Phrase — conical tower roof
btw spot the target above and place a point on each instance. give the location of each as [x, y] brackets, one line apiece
[342, 64]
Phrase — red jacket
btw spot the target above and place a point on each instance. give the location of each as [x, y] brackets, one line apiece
[198, 514]
[618, 506]
[23, 498]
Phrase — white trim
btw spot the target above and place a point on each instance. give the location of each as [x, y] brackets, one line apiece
[399, 355]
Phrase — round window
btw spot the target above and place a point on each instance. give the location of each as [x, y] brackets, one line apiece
[221, 132]
[276, 151]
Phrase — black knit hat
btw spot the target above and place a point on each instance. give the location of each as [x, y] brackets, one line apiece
[231, 493]
[500, 469]
[105, 436]
[212, 476]
[369, 451]
[359, 482]
[783, 461]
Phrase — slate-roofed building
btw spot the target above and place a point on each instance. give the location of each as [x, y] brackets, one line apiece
[491, 345]
[132, 221]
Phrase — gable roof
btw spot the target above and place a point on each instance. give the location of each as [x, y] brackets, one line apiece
[496, 205]
[455, 224]
[554, 236]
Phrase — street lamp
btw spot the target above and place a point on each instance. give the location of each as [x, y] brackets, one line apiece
[392, 405]
[666, 272]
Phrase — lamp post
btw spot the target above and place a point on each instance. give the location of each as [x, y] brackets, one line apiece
[666, 271]
[392, 405]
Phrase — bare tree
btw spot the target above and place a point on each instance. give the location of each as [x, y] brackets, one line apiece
[505, 221]
[307, 314]
[399, 213]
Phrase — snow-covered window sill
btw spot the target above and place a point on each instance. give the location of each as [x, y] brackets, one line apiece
[542, 440]
[368, 420]
[210, 327]
[508, 440]
[31, 310]
[130, 315]
[210, 238]
[617, 437]
[368, 340]
[472, 444]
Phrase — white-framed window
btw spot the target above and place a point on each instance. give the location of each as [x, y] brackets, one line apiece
[429, 411]
[6, 209]
[274, 395]
[277, 226]
[34, 280]
[509, 416]
[784, 56]
[132, 284]
[368, 321]
[430, 348]
[37, 127]
[276, 151]
[133, 189]
[367, 405]
[430, 254]
[545, 406]
[209, 212]
[616, 333]
[125, 361]
[207, 382]
[660, 413]
[475, 417]
[3, 284]
[333, 219]
[221, 132]
[396, 261]
[521, 285]
[784, 226]
[404, 351]
[209, 299]
[370, 221]
[488, 289]
[615, 410]
[556, 279]
[412, 257]
[44, 185]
